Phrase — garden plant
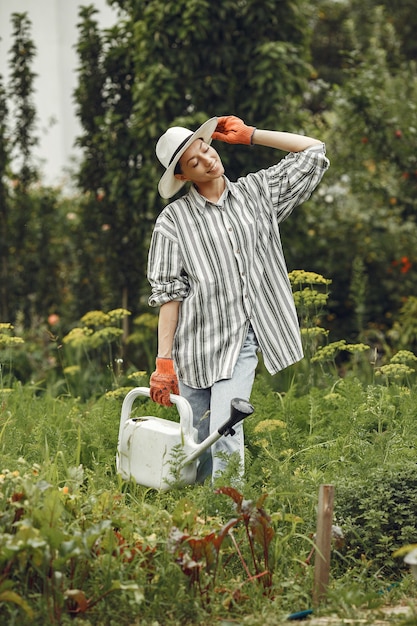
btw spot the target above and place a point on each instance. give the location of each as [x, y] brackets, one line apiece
[80, 546]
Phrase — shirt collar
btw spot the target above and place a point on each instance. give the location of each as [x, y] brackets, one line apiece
[201, 202]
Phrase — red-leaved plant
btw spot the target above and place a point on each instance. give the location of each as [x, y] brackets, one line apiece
[199, 556]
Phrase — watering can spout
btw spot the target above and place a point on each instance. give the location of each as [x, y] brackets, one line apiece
[239, 410]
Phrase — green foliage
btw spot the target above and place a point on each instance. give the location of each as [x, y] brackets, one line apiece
[130, 91]
[8, 341]
[89, 97]
[359, 228]
[95, 346]
[76, 541]
[42, 274]
[4, 208]
[21, 90]
[143, 339]
[377, 514]
[236, 50]
[16, 142]
[399, 13]
[199, 556]
[76, 544]
[70, 562]
[114, 220]
[404, 329]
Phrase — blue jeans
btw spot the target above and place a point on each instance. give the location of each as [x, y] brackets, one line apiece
[211, 408]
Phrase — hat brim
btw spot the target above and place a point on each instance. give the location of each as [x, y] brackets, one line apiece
[169, 185]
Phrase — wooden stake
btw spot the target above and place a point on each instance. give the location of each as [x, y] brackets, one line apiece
[323, 542]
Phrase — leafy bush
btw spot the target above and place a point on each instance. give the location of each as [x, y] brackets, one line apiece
[378, 514]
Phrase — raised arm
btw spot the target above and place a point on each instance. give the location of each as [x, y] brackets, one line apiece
[290, 142]
[232, 129]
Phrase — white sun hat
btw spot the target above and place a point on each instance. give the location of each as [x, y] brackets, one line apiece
[170, 148]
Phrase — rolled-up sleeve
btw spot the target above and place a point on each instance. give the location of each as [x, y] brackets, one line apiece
[165, 272]
[293, 180]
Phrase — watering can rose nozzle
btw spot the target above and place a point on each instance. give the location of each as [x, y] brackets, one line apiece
[239, 410]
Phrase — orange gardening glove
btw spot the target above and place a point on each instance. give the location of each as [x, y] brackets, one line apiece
[163, 381]
[232, 129]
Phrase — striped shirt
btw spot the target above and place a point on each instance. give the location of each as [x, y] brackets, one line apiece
[225, 263]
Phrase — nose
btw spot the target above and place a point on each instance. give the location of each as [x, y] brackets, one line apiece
[208, 160]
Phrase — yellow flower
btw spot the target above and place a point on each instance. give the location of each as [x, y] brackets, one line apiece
[356, 347]
[95, 318]
[266, 425]
[298, 277]
[299, 470]
[118, 393]
[72, 370]
[118, 314]
[6, 340]
[403, 356]
[314, 332]
[105, 335]
[395, 371]
[330, 397]
[309, 298]
[78, 336]
[327, 353]
[264, 443]
[137, 375]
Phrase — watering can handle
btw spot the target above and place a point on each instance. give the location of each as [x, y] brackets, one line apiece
[183, 406]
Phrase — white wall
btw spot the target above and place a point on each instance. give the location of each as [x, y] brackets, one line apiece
[54, 34]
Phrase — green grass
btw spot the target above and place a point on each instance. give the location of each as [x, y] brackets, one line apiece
[80, 546]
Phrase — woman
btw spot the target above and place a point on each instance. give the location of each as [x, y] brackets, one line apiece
[218, 273]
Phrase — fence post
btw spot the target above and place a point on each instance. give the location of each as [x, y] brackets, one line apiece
[323, 542]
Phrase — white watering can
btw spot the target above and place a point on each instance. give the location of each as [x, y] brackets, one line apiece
[158, 453]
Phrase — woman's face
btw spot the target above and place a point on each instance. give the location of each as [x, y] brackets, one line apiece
[200, 163]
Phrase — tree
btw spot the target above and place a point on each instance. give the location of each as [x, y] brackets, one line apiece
[33, 232]
[401, 14]
[4, 203]
[360, 228]
[112, 221]
[21, 91]
[198, 59]
[17, 266]
[90, 108]
[174, 63]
